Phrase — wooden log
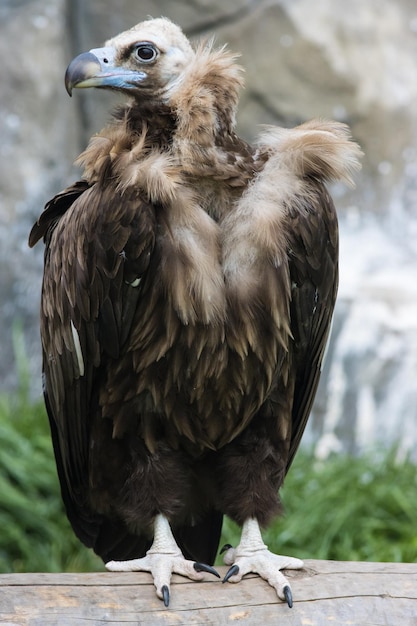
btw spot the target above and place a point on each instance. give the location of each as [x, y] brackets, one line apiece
[325, 592]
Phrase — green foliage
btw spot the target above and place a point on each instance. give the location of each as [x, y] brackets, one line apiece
[344, 508]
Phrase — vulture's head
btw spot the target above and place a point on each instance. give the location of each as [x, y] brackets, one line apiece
[147, 59]
[154, 63]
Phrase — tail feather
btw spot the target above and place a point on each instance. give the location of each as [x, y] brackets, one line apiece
[200, 542]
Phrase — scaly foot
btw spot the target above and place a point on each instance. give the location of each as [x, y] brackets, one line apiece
[252, 555]
[163, 559]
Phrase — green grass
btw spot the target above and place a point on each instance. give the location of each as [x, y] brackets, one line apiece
[344, 508]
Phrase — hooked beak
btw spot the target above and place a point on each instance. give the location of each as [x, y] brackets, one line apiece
[97, 69]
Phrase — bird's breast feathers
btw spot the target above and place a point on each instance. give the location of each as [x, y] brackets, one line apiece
[213, 320]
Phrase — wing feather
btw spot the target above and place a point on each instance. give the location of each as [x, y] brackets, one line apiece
[314, 276]
[88, 304]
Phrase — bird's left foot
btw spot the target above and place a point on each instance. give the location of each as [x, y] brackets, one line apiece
[252, 555]
[163, 559]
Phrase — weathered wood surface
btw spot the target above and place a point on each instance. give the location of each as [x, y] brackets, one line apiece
[325, 592]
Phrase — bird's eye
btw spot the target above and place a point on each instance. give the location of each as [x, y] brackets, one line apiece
[146, 53]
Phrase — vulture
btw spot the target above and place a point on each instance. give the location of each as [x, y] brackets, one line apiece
[188, 290]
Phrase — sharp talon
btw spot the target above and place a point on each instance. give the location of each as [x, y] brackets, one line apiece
[225, 548]
[165, 595]
[202, 567]
[288, 595]
[231, 572]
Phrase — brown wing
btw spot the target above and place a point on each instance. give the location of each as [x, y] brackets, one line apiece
[314, 276]
[98, 245]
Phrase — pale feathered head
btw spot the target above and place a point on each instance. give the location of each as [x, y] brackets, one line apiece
[148, 58]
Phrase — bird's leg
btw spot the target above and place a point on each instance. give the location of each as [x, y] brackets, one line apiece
[252, 555]
[163, 559]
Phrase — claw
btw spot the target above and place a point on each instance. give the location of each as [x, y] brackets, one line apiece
[202, 567]
[288, 595]
[165, 595]
[225, 548]
[231, 572]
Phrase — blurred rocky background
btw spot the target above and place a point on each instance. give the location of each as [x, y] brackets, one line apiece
[355, 62]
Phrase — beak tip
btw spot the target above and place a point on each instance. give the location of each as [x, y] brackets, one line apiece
[68, 83]
[84, 67]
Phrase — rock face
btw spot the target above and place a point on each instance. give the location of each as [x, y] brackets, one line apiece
[356, 63]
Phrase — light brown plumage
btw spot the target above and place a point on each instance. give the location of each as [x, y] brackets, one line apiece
[188, 291]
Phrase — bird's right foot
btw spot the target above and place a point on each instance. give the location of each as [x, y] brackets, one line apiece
[163, 559]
